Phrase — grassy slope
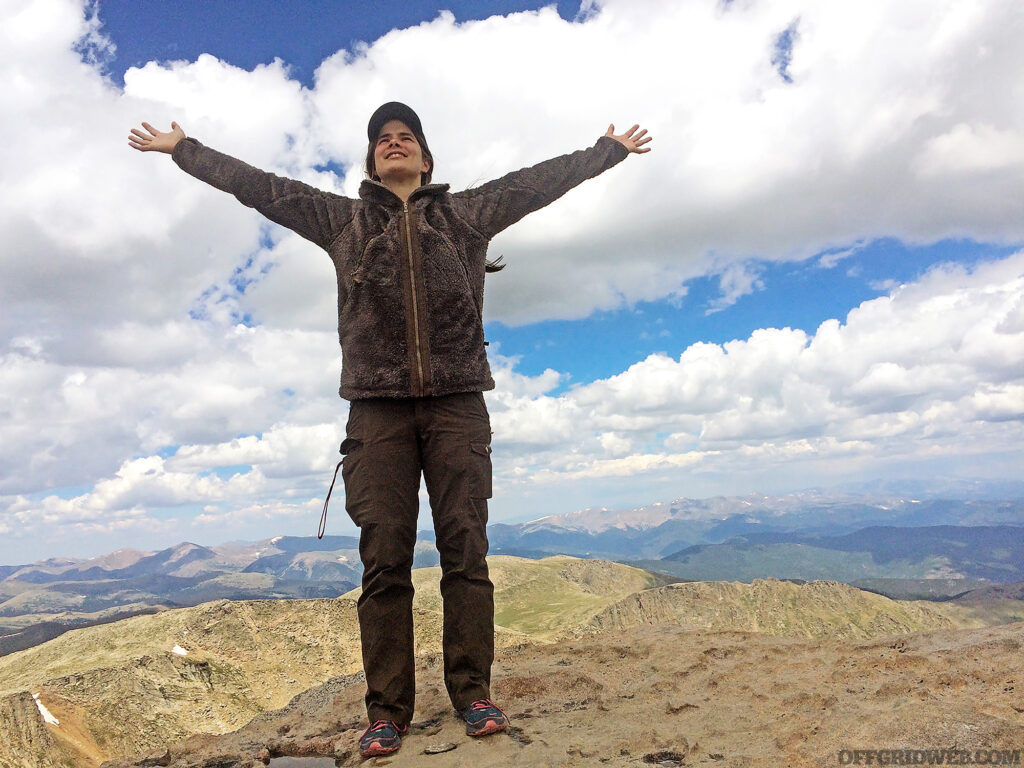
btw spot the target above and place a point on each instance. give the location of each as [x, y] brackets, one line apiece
[919, 589]
[988, 613]
[792, 561]
[121, 686]
[267, 636]
[541, 597]
[816, 609]
[534, 597]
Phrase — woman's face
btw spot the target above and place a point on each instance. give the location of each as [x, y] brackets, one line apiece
[397, 155]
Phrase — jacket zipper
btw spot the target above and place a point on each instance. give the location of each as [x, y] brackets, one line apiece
[415, 303]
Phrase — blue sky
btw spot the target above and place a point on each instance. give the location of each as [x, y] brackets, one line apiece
[813, 279]
[795, 295]
[301, 33]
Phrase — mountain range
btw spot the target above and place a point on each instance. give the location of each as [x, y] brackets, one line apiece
[902, 547]
[658, 530]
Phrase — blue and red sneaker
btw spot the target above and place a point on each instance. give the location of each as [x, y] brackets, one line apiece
[383, 737]
[483, 718]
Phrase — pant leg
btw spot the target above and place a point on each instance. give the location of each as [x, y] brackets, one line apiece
[382, 478]
[455, 440]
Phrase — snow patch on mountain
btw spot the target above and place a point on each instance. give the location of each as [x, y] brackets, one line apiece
[47, 717]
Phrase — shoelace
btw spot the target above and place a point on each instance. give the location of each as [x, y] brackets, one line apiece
[484, 704]
[380, 725]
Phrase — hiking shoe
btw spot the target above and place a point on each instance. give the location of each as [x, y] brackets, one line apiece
[483, 718]
[383, 737]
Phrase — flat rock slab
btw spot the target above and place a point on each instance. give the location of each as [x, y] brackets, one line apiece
[437, 749]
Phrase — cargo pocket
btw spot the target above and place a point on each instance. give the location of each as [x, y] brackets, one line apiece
[349, 459]
[480, 467]
[321, 529]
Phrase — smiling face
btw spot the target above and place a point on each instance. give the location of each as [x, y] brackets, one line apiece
[397, 156]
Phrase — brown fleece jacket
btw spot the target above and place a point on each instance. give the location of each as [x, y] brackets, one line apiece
[410, 276]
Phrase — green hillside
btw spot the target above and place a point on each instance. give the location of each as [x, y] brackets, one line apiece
[746, 562]
[541, 597]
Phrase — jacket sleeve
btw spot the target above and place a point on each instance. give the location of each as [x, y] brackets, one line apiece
[493, 206]
[312, 213]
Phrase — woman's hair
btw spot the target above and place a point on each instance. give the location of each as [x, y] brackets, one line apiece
[371, 166]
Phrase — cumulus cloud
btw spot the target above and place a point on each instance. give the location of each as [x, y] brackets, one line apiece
[736, 280]
[971, 149]
[157, 339]
[932, 369]
[69, 422]
[929, 372]
[882, 125]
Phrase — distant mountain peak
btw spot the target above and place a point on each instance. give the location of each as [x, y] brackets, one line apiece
[187, 548]
[121, 558]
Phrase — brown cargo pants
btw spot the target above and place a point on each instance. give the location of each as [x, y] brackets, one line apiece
[388, 443]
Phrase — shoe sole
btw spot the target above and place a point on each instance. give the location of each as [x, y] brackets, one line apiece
[377, 751]
[487, 728]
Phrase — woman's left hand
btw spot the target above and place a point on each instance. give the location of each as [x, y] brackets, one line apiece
[631, 140]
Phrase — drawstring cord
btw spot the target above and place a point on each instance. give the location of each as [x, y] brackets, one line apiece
[323, 517]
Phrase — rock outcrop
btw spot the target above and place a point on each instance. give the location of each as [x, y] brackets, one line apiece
[666, 695]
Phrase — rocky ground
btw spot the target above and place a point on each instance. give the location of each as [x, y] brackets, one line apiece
[669, 695]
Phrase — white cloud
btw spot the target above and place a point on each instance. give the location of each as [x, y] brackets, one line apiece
[274, 514]
[972, 148]
[932, 369]
[285, 451]
[735, 281]
[830, 259]
[68, 422]
[745, 165]
[126, 286]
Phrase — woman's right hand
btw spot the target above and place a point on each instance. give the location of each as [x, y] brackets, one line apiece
[156, 141]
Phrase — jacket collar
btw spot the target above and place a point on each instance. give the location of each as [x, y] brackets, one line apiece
[375, 192]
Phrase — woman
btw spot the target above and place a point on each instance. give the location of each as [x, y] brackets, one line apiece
[410, 259]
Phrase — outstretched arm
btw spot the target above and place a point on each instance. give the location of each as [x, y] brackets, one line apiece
[310, 212]
[156, 141]
[493, 206]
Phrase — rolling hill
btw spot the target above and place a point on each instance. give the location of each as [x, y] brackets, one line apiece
[134, 685]
[893, 545]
